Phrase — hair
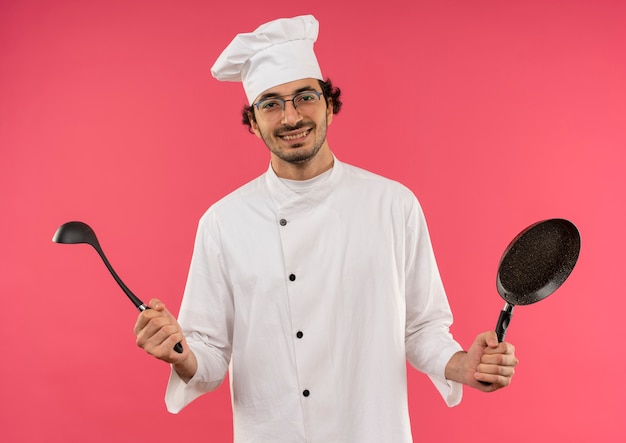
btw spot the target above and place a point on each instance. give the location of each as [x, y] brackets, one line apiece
[329, 91]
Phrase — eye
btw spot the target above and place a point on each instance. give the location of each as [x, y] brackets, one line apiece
[269, 105]
[306, 97]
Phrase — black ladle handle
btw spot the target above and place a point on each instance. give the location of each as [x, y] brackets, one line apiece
[178, 347]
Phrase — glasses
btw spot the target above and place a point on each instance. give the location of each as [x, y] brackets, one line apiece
[275, 106]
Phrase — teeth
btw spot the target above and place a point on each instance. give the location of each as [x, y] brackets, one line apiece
[295, 136]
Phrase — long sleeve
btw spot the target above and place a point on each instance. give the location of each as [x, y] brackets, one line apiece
[206, 317]
[429, 344]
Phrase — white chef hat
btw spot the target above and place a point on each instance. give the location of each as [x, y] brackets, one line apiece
[275, 53]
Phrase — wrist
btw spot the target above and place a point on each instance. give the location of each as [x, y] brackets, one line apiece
[187, 367]
[455, 368]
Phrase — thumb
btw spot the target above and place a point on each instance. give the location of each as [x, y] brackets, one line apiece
[488, 339]
[156, 304]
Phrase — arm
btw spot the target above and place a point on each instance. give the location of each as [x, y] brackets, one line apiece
[205, 319]
[429, 343]
[485, 361]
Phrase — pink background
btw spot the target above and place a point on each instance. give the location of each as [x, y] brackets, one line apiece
[496, 114]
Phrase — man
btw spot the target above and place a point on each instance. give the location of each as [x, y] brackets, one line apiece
[314, 283]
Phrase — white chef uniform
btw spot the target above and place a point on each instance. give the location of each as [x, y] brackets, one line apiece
[316, 301]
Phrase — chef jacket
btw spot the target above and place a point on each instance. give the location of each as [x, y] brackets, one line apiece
[314, 302]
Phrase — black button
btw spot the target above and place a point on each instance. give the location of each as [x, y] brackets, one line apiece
[283, 222]
[306, 393]
[299, 334]
[292, 277]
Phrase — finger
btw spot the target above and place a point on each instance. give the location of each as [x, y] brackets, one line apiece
[504, 354]
[156, 330]
[151, 342]
[144, 318]
[140, 324]
[156, 304]
[506, 370]
[160, 335]
[170, 342]
[499, 360]
[495, 373]
[486, 340]
[161, 344]
[492, 382]
[501, 348]
[491, 339]
[154, 321]
[149, 323]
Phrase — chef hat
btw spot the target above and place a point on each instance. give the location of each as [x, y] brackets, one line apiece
[275, 53]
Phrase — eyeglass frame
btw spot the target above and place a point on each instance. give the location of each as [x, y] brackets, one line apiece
[280, 98]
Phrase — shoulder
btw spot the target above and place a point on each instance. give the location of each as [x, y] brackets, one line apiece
[370, 182]
[248, 195]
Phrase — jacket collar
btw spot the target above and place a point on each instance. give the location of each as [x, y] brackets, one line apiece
[286, 198]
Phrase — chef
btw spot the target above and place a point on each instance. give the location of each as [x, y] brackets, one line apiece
[313, 284]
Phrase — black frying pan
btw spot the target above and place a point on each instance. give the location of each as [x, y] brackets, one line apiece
[535, 264]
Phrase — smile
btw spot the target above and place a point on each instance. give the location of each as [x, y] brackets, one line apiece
[296, 136]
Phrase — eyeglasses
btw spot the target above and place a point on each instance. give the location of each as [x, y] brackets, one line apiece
[274, 106]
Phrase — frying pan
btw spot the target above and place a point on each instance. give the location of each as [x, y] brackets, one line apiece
[534, 265]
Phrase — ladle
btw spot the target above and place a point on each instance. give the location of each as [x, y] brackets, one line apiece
[75, 232]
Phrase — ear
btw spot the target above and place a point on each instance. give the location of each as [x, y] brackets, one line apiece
[253, 124]
[329, 111]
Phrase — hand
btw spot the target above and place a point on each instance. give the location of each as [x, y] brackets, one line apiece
[487, 365]
[155, 329]
[157, 332]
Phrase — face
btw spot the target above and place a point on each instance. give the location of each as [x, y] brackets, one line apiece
[294, 136]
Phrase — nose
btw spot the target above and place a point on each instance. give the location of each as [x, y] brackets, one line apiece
[291, 115]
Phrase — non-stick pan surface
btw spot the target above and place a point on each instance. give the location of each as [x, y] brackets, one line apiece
[538, 261]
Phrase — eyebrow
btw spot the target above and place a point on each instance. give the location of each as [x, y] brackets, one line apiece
[296, 92]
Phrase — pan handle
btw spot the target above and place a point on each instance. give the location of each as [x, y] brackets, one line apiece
[503, 321]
